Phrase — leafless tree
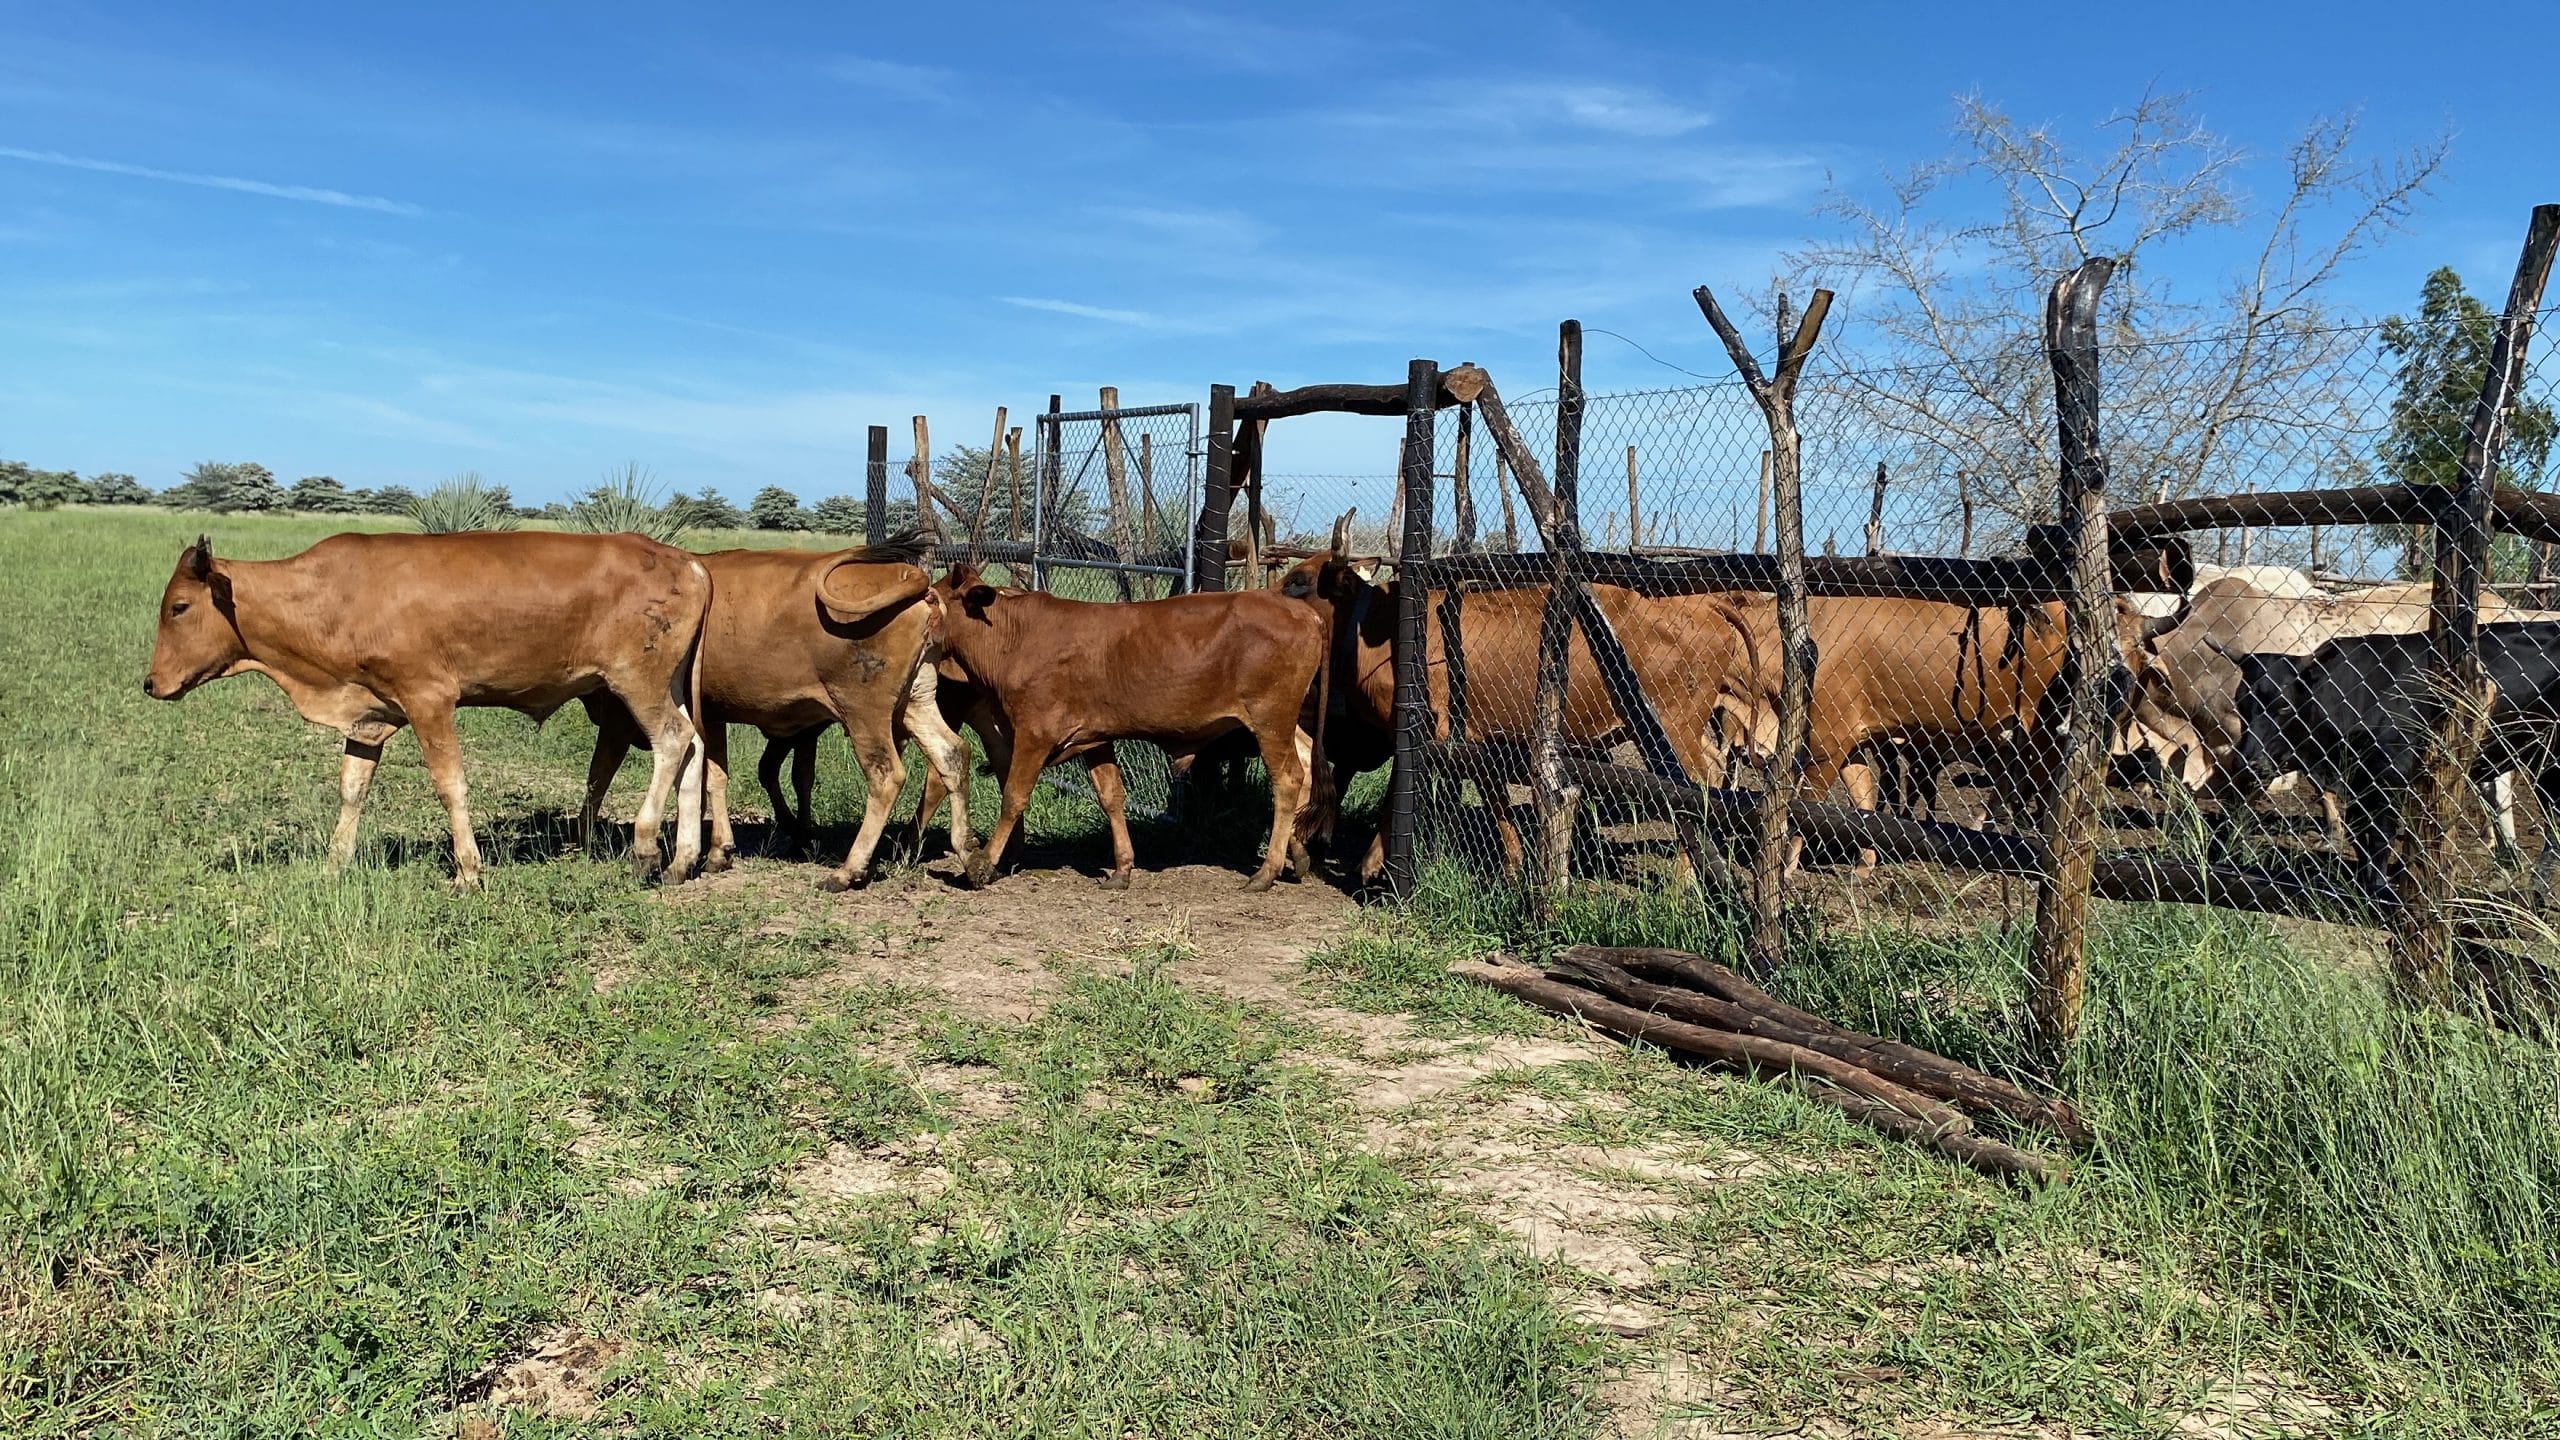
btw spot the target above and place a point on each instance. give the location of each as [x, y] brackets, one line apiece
[1945, 273]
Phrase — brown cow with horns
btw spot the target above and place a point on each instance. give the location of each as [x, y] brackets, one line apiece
[367, 633]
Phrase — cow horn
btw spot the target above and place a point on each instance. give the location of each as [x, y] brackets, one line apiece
[1342, 532]
[200, 559]
[2155, 626]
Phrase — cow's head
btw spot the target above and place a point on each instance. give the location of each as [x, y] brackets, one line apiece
[199, 637]
[1331, 575]
[2270, 717]
[964, 588]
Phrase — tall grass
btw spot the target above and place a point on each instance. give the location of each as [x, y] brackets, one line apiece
[462, 503]
[2382, 1182]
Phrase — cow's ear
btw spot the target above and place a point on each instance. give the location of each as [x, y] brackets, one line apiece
[977, 598]
[1299, 585]
[199, 559]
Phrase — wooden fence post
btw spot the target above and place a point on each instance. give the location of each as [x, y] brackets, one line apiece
[920, 470]
[2057, 960]
[2421, 918]
[1635, 504]
[1044, 498]
[1462, 499]
[1875, 514]
[1217, 495]
[1554, 798]
[1782, 466]
[1413, 566]
[1115, 482]
[875, 487]
[1147, 520]
[987, 485]
[1510, 514]
[1013, 476]
[1760, 526]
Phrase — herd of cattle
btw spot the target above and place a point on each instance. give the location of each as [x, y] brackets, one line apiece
[2251, 681]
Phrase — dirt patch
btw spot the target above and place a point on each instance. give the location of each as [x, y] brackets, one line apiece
[560, 1373]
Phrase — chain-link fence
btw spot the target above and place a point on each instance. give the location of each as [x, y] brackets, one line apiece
[2272, 700]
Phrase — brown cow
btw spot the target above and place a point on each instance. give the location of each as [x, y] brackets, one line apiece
[1692, 662]
[367, 633]
[1067, 677]
[803, 639]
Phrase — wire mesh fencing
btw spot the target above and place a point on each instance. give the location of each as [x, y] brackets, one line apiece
[2278, 521]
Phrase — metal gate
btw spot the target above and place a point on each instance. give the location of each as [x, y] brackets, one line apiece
[1117, 493]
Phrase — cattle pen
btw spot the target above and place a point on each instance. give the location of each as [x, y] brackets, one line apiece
[1995, 677]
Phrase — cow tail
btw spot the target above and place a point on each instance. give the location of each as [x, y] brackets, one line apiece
[1329, 801]
[693, 679]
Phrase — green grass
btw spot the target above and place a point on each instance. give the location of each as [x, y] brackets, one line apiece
[2294, 1174]
[287, 1152]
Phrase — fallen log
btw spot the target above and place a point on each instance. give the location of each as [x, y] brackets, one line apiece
[1860, 1094]
[1716, 995]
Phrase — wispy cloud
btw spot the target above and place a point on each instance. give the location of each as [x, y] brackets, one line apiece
[1089, 312]
[306, 193]
[892, 77]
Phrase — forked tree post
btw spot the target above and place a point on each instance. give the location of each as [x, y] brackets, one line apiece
[1760, 526]
[1783, 468]
[1462, 499]
[2422, 938]
[1875, 513]
[2057, 960]
[875, 486]
[1413, 563]
[987, 485]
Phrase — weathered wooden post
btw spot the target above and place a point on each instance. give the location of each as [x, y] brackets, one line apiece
[1510, 512]
[1115, 482]
[1147, 490]
[1248, 478]
[1760, 527]
[1555, 799]
[1462, 499]
[1413, 562]
[920, 470]
[2421, 916]
[2057, 960]
[1635, 504]
[1782, 466]
[1875, 514]
[1217, 495]
[875, 486]
[1044, 491]
[987, 484]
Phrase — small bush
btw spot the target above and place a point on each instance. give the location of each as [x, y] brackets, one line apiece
[459, 504]
[628, 502]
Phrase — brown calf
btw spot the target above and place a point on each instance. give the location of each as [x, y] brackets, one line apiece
[801, 640]
[1065, 678]
[367, 633]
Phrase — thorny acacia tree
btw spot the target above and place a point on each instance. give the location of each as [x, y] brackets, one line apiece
[1946, 274]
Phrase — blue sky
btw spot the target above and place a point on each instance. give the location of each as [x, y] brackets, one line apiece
[538, 241]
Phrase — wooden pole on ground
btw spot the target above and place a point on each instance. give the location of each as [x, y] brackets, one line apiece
[1413, 694]
[875, 487]
[2057, 961]
[1782, 466]
[2422, 922]
[1217, 495]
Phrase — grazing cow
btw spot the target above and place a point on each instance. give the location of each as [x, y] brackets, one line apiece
[367, 633]
[2353, 714]
[801, 640]
[1691, 660]
[1065, 678]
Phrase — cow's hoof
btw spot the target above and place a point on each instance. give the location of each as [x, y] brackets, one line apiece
[465, 884]
[1116, 880]
[718, 861]
[647, 870]
[1257, 884]
[837, 882]
[981, 872]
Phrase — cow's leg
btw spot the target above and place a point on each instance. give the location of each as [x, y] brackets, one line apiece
[1108, 787]
[788, 825]
[613, 745]
[715, 799]
[1863, 794]
[676, 760]
[1288, 793]
[2499, 798]
[946, 764]
[875, 747]
[1303, 824]
[1021, 777]
[442, 750]
[355, 777]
